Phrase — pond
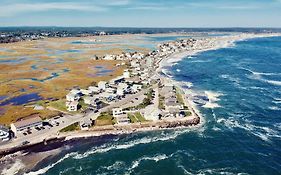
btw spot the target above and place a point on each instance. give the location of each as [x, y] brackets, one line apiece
[22, 99]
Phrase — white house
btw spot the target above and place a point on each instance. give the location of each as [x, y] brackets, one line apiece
[120, 91]
[151, 113]
[85, 124]
[86, 91]
[72, 97]
[126, 74]
[136, 87]
[4, 133]
[72, 105]
[117, 112]
[109, 57]
[94, 89]
[89, 100]
[75, 91]
[102, 85]
[110, 90]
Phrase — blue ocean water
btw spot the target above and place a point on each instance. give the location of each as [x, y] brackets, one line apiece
[243, 135]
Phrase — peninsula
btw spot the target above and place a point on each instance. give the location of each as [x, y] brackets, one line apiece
[143, 98]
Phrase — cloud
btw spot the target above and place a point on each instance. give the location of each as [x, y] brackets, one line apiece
[14, 9]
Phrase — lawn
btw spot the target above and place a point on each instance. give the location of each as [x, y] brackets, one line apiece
[73, 127]
[132, 118]
[59, 105]
[105, 118]
[139, 117]
[179, 96]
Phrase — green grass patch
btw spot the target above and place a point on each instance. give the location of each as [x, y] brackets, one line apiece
[132, 118]
[59, 105]
[73, 127]
[139, 117]
[179, 96]
[105, 118]
[83, 105]
[161, 102]
[187, 113]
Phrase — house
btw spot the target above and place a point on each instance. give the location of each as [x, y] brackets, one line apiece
[135, 63]
[102, 85]
[4, 133]
[151, 113]
[75, 91]
[109, 57]
[126, 74]
[122, 119]
[85, 124]
[72, 105]
[94, 89]
[89, 100]
[120, 91]
[32, 121]
[116, 80]
[136, 87]
[72, 97]
[86, 91]
[172, 105]
[117, 111]
[110, 90]
[108, 96]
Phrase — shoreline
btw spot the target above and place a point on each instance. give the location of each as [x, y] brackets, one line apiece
[212, 44]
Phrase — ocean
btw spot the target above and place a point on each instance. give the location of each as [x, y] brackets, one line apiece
[241, 133]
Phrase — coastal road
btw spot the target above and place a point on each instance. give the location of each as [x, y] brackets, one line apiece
[64, 121]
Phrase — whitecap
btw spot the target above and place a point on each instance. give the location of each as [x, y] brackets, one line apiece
[126, 145]
[45, 169]
[213, 96]
[211, 105]
[155, 158]
[178, 70]
[264, 133]
[274, 108]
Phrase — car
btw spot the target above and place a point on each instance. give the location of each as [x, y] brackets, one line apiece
[25, 142]
[42, 127]
[25, 133]
[29, 132]
[37, 128]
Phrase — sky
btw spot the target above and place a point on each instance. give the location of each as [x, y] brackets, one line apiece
[141, 13]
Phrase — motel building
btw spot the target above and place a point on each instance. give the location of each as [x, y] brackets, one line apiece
[25, 124]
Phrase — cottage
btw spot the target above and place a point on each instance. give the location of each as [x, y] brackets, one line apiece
[110, 90]
[72, 97]
[117, 112]
[108, 96]
[122, 119]
[89, 100]
[126, 74]
[32, 121]
[116, 80]
[109, 57]
[85, 124]
[136, 87]
[4, 133]
[72, 105]
[102, 85]
[94, 89]
[86, 91]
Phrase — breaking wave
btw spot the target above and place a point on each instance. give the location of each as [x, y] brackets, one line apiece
[264, 133]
